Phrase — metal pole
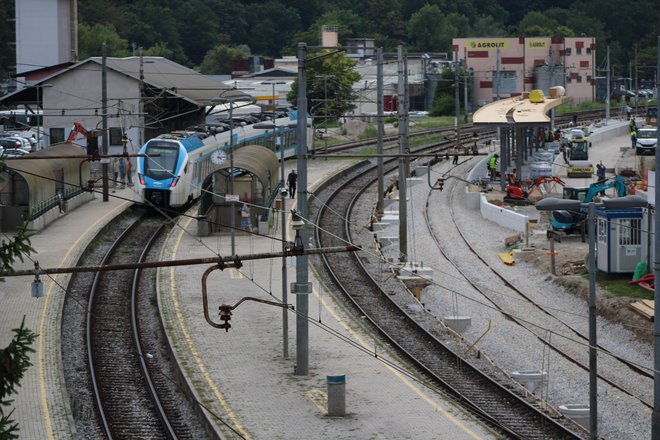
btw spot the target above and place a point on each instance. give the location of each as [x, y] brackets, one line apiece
[403, 215]
[593, 351]
[302, 284]
[104, 110]
[607, 98]
[655, 420]
[285, 299]
[457, 102]
[141, 101]
[465, 87]
[380, 207]
[232, 220]
[39, 119]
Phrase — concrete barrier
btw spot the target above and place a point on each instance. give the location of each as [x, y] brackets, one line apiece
[502, 216]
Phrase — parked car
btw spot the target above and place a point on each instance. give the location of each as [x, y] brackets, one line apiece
[14, 152]
[647, 139]
[18, 142]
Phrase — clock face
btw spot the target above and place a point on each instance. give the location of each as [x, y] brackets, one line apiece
[218, 157]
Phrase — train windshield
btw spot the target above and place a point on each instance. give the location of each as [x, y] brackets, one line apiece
[164, 165]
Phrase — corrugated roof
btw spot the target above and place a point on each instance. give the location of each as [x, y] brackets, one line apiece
[159, 73]
[180, 80]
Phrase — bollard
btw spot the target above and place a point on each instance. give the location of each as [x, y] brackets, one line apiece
[336, 395]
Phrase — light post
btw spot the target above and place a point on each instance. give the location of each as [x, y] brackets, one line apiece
[283, 194]
[40, 119]
[272, 83]
[230, 101]
[554, 204]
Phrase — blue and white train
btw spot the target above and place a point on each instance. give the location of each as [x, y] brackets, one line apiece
[177, 163]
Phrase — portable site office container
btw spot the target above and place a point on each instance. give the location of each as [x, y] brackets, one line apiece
[620, 240]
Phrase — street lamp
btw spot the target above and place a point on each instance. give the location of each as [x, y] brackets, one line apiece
[273, 95]
[285, 300]
[554, 204]
[40, 116]
[230, 101]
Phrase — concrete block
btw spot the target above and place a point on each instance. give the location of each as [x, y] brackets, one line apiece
[457, 323]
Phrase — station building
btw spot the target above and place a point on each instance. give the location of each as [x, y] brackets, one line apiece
[505, 67]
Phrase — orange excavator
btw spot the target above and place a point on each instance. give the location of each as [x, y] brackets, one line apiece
[518, 193]
[91, 136]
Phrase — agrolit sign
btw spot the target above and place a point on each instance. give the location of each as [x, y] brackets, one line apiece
[487, 44]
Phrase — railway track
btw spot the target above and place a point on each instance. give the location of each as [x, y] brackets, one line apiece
[509, 289]
[116, 361]
[505, 410]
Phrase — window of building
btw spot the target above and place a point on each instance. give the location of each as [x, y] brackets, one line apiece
[588, 51]
[579, 79]
[568, 79]
[115, 136]
[56, 135]
[578, 51]
[630, 231]
[602, 230]
[568, 51]
[589, 78]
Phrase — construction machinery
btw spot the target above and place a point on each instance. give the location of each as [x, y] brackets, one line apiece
[518, 194]
[571, 221]
[578, 155]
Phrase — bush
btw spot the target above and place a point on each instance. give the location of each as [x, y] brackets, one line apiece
[442, 106]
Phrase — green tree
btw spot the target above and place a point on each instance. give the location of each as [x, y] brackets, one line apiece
[218, 60]
[273, 26]
[14, 362]
[443, 102]
[91, 39]
[424, 26]
[330, 79]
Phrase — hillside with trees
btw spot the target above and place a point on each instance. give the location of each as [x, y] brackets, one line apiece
[204, 33]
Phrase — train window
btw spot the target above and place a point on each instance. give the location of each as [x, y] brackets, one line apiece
[163, 164]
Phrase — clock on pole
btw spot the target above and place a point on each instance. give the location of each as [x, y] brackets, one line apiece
[218, 157]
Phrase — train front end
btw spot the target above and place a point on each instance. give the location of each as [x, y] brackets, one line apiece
[159, 172]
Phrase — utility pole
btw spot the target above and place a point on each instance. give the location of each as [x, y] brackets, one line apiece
[497, 71]
[465, 87]
[380, 208]
[457, 102]
[141, 101]
[607, 99]
[655, 419]
[104, 111]
[302, 287]
[403, 214]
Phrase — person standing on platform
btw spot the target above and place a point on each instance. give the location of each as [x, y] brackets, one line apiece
[628, 111]
[492, 166]
[291, 182]
[455, 153]
[115, 171]
[122, 171]
[129, 170]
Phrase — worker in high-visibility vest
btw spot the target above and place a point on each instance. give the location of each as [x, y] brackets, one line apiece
[492, 166]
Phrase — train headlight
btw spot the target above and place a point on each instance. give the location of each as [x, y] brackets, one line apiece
[174, 182]
[141, 179]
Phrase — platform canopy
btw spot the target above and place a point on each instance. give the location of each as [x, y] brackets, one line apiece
[517, 110]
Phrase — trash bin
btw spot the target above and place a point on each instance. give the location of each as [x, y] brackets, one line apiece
[336, 395]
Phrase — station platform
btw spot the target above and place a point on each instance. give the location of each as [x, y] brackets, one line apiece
[241, 374]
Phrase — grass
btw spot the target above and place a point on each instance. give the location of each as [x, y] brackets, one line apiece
[618, 285]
